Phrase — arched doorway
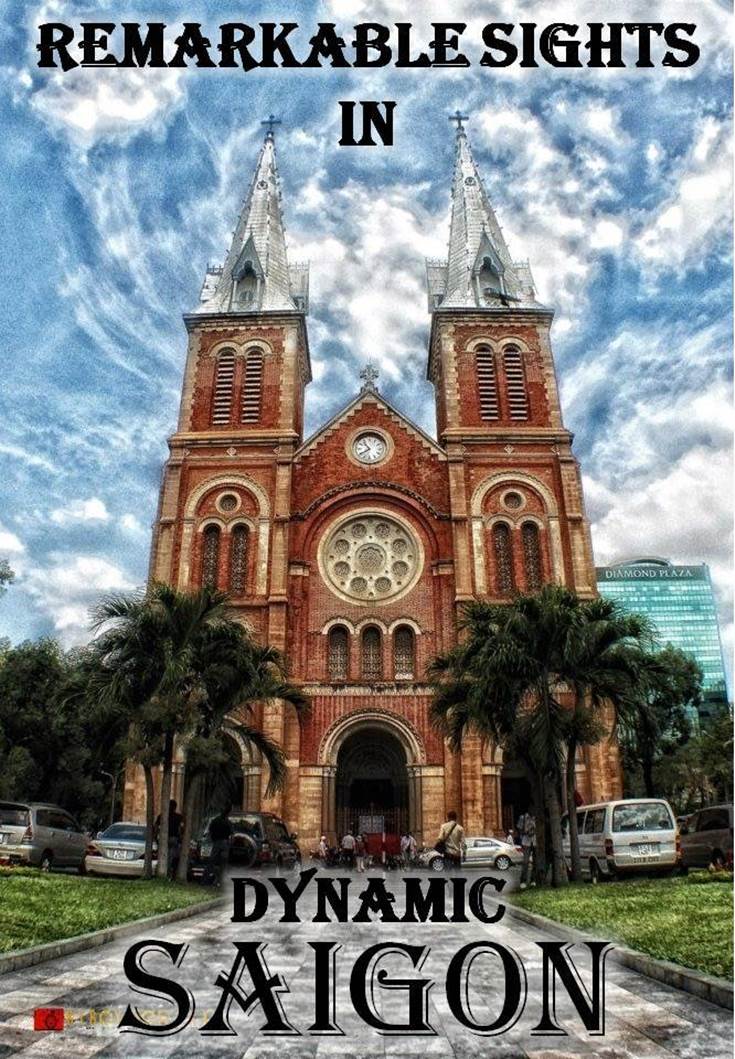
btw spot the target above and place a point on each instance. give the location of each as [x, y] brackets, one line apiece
[372, 784]
[516, 793]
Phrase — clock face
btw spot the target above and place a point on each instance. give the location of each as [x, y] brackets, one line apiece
[369, 448]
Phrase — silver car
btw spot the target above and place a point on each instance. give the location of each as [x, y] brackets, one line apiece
[120, 850]
[480, 852]
[40, 835]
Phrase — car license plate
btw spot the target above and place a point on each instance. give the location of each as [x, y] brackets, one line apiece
[122, 854]
[646, 849]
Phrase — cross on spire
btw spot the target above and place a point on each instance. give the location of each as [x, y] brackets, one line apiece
[369, 376]
[459, 118]
[271, 121]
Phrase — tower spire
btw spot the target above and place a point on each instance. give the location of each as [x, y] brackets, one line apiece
[479, 271]
[256, 276]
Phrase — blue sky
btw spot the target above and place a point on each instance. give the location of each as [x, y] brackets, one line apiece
[120, 186]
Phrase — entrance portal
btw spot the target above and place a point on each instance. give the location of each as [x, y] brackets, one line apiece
[372, 784]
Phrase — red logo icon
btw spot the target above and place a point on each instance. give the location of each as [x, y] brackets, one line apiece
[48, 1019]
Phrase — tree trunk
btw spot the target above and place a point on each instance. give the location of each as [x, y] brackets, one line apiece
[576, 860]
[191, 803]
[558, 865]
[647, 770]
[149, 811]
[166, 776]
[539, 811]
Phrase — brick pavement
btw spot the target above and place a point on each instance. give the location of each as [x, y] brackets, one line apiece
[644, 1019]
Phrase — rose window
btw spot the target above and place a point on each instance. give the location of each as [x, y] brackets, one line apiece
[371, 557]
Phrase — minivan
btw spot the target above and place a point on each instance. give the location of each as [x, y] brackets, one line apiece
[40, 835]
[706, 838]
[258, 839]
[625, 836]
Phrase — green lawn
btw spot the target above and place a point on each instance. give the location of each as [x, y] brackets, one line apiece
[36, 907]
[672, 919]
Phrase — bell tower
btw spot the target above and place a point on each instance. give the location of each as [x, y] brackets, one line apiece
[516, 498]
[225, 497]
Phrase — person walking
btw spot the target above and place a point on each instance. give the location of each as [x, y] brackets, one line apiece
[360, 850]
[450, 842]
[527, 830]
[220, 832]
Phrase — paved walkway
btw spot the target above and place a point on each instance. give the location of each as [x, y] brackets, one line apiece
[644, 1020]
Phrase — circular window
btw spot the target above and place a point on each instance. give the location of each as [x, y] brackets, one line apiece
[228, 502]
[513, 501]
[370, 557]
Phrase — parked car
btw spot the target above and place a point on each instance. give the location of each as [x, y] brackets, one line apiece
[481, 852]
[625, 836]
[706, 838]
[258, 839]
[119, 850]
[41, 835]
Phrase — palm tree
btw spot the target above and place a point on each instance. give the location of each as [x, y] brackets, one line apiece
[504, 680]
[158, 665]
[604, 662]
[236, 673]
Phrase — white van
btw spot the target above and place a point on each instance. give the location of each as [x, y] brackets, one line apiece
[615, 838]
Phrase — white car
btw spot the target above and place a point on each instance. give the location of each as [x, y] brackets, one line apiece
[624, 837]
[481, 852]
[118, 851]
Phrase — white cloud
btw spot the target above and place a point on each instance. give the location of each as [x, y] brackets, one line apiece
[699, 208]
[10, 544]
[132, 525]
[90, 510]
[67, 586]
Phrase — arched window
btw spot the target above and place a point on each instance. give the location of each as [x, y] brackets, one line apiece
[339, 653]
[515, 381]
[503, 548]
[252, 387]
[487, 383]
[223, 382]
[531, 556]
[404, 653]
[210, 555]
[238, 560]
[371, 667]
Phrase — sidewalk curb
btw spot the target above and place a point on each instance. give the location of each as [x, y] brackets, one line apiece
[705, 986]
[51, 950]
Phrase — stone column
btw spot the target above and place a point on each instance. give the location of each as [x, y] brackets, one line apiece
[473, 815]
[433, 807]
[492, 799]
[251, 787]
[415, 802]
[311, 812]
[273, 727]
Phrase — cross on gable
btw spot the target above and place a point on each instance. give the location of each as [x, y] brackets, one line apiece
[271, 121]
[459, 118]
[369, 376]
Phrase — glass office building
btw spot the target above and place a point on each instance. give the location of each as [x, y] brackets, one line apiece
[679, 602]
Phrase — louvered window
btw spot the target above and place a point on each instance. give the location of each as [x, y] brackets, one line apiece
[252, 387]
[238, 560]
[404, 653]
[223, 383]
[515, 381]
[210, 556]
[338, 653]
[487, 383]
[503, 549]
[531, 556]
[372, 654]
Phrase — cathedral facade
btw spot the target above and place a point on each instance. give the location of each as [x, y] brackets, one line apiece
[354, 550]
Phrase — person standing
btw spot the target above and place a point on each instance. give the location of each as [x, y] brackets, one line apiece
[360, 850]
[220, 832]
[348, 849]
[527, 831]
[323, 850]
[450, 842]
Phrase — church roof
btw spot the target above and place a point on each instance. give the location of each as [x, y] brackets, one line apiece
[369, 395]
[479, 271]
[256, 275]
